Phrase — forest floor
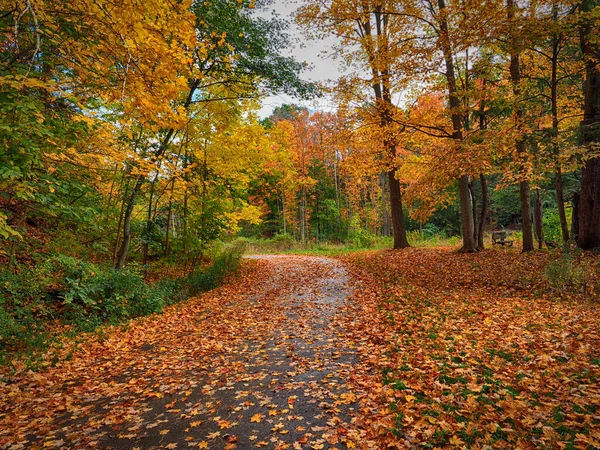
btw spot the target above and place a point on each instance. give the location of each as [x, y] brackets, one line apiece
[394, 349]
[264, 361]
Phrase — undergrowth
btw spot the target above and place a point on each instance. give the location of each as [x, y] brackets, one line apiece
[64, 294]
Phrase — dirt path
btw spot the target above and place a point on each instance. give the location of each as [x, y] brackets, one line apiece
[262, 362]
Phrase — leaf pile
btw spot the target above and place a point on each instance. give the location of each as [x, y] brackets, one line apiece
[475, 351]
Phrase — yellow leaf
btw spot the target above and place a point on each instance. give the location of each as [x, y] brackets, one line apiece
[455, 440]
[256, 418]
[203, 444]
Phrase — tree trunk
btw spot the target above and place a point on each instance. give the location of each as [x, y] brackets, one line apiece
[303, 215]
[400, 240]
[122, 257]
[474, 209]
[170, 219]
[119, 224]
[538, 224]
[377, 51]
[558, 182]
[524, 189]
[589, 200]
[385, 216]
[575, 217]
[466, 214]
[485, 203]
[560, 200]
[146, 245]
[526, 227]
[284, 208]
[164, 145]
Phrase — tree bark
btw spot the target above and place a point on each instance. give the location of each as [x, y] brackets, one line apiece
[127, 223]
[377, 50]
[558, 182]
[474, 209]
[575, 217]
[466, 214]
[526, 227]
[538, 219]
[485, 203]
[560, 200]
[400, 240]
[589, 201]
[164, 145]
[146, 246]
[521, 146]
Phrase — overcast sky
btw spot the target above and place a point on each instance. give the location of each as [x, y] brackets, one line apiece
[323, 67]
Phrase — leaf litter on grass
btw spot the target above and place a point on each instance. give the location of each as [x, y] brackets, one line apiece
[474, 351]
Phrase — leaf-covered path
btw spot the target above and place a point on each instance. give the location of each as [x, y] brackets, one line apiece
[265, 361]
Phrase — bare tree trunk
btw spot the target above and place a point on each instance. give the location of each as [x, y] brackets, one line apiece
[538, 219]
[400, 240]
[122, 257]
[303, 215]
[527, 229]
[377, 51]
[575, 217]
[146, 244]
[284, 207]
[474, 209]
[485, 203]
[385, 217]
[560, 200]
[558, 182]
[119, 224]
[169, 220]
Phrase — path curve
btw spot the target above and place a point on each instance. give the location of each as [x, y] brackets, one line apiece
[261, 363]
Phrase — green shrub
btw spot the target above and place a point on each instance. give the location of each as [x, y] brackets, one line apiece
[23, 311]
[552, 228]
[567, 273]
[359, 236]
[93, 294]
[87, 295]
[283, 241]
[225, 262]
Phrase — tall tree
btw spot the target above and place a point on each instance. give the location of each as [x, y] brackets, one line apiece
[236, 50]
[372, 43]
[589, 200]
[514, 36]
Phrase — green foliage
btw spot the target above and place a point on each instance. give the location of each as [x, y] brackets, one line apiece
[225, 262]
[85, 295]
[505, 206]
[360, 237]
[431, 236]
[569, 272]
[277, 244]
[93, 294]
[256, 43]
[552, 229]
